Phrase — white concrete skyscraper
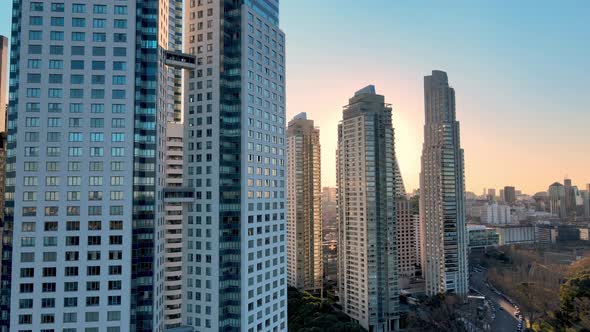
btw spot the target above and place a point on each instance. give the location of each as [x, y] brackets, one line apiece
[84, 245]
[304, 205]
[442, 192]
[236, 258]
[366, 178]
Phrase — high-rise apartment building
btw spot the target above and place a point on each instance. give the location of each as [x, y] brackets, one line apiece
[442, 192]
[491, 194]
[84, 242]
[329, 195]
[368, 280]
[509, 195]
[557, 205]
[234, 143]
[304, 205]
[3, 81]
[176, 198]
[586, 203]
[407, 225]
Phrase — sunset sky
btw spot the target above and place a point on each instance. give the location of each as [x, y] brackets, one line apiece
[520, 69]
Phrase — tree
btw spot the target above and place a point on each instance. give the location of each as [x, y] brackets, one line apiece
[310, 314]
[438, 313]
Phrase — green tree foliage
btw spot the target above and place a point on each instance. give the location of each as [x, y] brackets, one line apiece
[309, 314]
[574, 298]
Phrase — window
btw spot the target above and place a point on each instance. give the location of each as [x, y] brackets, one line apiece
[55, 78]
[33, 107]
[99, 9]
[74, 122]
[56, 64]
[78, 22]
[97, 93]
[35, 20]
[120, 37]
[77, 79]
[35, 49]
[57, 7]
[56, 50]
[99, 37]
[120, 24]
[74, 151]
[78, 36]
[96, 123]
[96, 137]
[56, 35]
[35, 35]
[119, 65]
[77, 50]
[97, 152]
[118, 137]
[98, 51]
[118, 152]
[120, 10]
[118, 123]
[57, 21]
[97, 108]
[99, 23]
[75, 137]
[119, 51]
[53, 136]
[36, 6]
[78, 8]
[118, 108]
[119, 80]
[54, 107]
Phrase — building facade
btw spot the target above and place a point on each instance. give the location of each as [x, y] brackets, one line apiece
[407, 224]
[3, 81]
[304, 205]
[442, 192]
[482, 237]
[176, 198]
[87, 113]
[367, 273]
[494, 213]
[557, 204]
[515, 234]
[234, 143]
[509, 195]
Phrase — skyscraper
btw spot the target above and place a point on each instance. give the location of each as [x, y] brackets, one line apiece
[235, 263]
[366, 178]
[3, 81]
[442, 192]
[176, 198]
[304, 205]
[509, 195]
[84, 244]
[407, 225]
[569, 198]
[557, 205]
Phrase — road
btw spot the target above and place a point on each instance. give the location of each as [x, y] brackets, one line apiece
[505, 320]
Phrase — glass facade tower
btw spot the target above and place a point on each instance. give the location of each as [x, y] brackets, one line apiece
[442, 192]
[367, 176]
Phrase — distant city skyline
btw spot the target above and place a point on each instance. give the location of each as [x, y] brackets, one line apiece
[515, 91]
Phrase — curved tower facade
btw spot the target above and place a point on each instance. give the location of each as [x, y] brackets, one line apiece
[442, 192]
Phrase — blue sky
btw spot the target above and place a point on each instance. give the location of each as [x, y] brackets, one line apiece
[520, 69]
